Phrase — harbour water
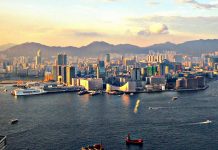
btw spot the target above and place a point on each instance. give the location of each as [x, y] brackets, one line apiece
[69, 121]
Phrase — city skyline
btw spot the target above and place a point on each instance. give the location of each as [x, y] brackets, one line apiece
[78, 23]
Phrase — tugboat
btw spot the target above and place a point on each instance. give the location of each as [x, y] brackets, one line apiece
[135, 142]
[14, 121]
[93, 147]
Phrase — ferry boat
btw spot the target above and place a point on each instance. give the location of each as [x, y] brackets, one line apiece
[28, 91]
[93, 147]
[135, 142]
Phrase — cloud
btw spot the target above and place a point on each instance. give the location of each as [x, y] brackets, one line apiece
[158, 28]
[78, 33]
[154, 29]
[87, 34]
[179, 24]
[153, 3]
[197, 4]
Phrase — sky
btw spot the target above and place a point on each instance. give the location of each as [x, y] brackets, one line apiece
[80, 22]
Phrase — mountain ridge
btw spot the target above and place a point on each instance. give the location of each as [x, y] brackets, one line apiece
[194, 47]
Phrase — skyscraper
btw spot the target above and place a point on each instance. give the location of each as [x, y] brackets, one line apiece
[71, 73]
[100, 69]
[107, 59]
[62, 59]
[38, 58]
[64, 74]
[135, 74]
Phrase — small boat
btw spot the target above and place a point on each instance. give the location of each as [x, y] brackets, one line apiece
[135, 142]
[131, 94]
[93, 147]
[14, 121]
[150, 108]
[115, 93]
[94, 93]
[82, 92]
[174, 98]
[207, 121]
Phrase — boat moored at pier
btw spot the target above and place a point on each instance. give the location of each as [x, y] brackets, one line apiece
[55, 88]
[83, 92]
[93, 93]
[28, 91]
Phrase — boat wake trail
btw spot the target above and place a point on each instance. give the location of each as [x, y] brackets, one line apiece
[156, 108]
[203, 122]
[198, 123]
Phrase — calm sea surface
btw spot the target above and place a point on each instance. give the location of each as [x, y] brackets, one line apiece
[68, 121]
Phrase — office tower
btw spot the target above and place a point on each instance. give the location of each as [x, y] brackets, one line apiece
[161, 69]
[59, 70]
[135, 74]
[64, 74]
[122, 59]
[71, 73]
[143, 73]
[62, 59]
[100, 69]
[107, 59]
[54, 72]
[38, 58]
[153, 58]
[213, 60]
[90, 69]
[149, 71]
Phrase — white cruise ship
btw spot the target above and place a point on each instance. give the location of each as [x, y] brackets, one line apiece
[28, 91]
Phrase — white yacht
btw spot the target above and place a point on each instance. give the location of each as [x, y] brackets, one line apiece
[28, 91]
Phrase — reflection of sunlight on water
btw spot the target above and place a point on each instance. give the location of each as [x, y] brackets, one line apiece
[136, 106]
[126, 100]
[84, 98]
[15, 99]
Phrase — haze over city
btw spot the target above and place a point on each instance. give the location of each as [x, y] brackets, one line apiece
[80, 22]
